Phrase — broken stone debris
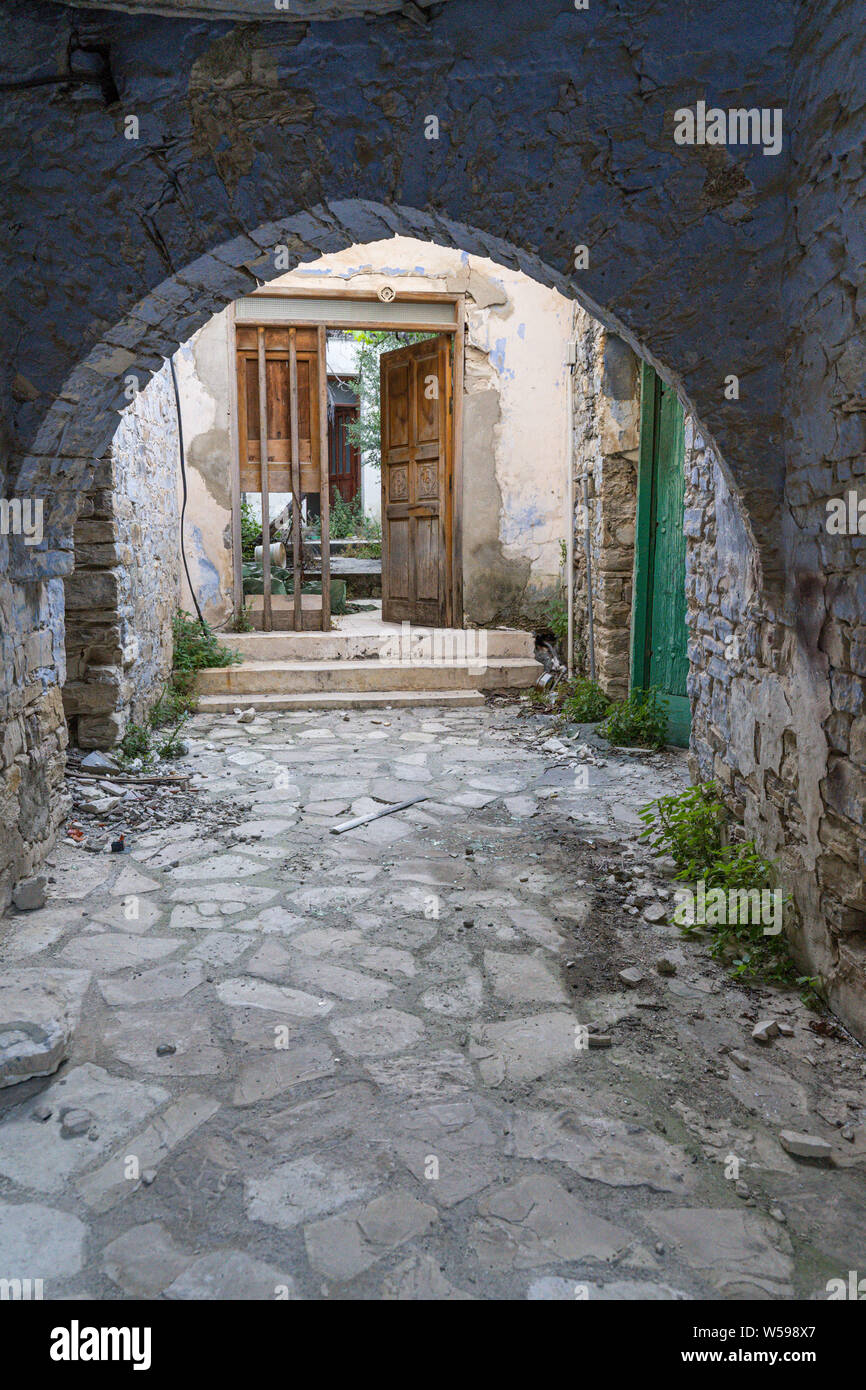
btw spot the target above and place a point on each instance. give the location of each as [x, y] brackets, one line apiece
[805, 1145]
[764, 1031]
[29, 894]
[39, 1010]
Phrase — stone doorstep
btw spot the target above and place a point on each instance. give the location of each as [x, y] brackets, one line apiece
[308, 677]
[352, 699]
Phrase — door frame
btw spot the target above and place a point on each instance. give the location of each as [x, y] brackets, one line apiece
[418, 324]
[679, 706]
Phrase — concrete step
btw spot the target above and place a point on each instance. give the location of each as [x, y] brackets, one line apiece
[333, 699]
[435, 643]
[311, 677]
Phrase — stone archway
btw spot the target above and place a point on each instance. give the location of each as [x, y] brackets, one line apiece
[554, 130]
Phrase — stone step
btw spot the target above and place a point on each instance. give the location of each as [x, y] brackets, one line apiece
[371, 645]
[334, 699]
[310, 677]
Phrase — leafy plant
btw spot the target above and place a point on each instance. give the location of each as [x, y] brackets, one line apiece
[640, 721]
[690, 827]
[197, 646]
[557, 620]
[584, 703]
[693, 828]
[136, 743]
[251, 531]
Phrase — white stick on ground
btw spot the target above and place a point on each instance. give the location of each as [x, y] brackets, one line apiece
[374, 815]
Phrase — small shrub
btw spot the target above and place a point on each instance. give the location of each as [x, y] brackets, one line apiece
[173, 746]
[693, 828]
[540, 697]
[136, 744]
[690, 827]
[557, 620]
[197, 646]
[641, 721]
[583, 702]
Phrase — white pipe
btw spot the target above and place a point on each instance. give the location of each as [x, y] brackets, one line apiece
[569, 492]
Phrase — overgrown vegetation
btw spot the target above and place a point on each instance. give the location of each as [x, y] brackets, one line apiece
[251, 531]
[638, 722]
[557, 620]
[584, 703]
[694, 828]
[195, 647]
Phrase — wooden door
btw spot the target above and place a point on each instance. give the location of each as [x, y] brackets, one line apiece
[282, 395]
[417, 482]
[660, 631]
[278, 383]
[344, 457]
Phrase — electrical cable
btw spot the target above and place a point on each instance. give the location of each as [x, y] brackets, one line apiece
[183, 503]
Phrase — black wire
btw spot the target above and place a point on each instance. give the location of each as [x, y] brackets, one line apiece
[183, 503]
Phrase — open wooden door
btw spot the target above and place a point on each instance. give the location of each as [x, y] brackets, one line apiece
[417, 482]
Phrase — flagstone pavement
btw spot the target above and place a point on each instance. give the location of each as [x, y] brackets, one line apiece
[308, 1065]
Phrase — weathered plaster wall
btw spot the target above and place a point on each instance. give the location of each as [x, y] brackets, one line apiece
[124, 589]
[203, 367]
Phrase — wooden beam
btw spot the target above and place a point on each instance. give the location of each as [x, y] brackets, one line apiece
[296, 478]
[457, 466]
[324, 497]
[267, 621]
[235, 454]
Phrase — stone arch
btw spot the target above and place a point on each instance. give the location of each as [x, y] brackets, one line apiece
[78, 427]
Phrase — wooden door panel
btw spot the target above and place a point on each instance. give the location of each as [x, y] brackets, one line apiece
[396, 417]
[398, 568]
[426, 547]
[416, 482]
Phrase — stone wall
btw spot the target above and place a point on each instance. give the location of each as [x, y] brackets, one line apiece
[124, 589]
[606, 398]
[33, 801]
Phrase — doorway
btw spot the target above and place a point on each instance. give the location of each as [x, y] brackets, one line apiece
[659, 629]
[416, 403]
[287, 394]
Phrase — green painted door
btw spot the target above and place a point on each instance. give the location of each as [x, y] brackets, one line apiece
[659, 631]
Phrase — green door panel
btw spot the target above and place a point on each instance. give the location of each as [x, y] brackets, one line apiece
[660, 631]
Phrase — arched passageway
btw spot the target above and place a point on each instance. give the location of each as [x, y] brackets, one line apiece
[552, 132]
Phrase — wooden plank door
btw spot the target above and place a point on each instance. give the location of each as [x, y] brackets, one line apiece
[281, 376]
[417, 482]
[344, 457]
[660, 631]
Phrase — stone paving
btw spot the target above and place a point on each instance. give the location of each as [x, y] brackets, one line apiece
[307, 1066]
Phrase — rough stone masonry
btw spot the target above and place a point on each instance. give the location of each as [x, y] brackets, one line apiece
[556, 132]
